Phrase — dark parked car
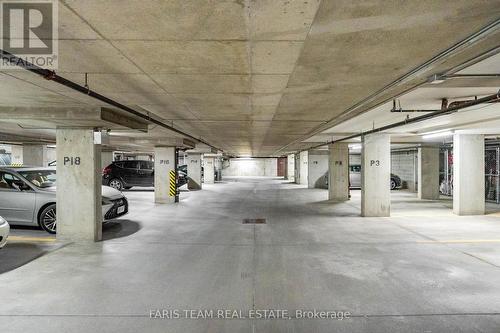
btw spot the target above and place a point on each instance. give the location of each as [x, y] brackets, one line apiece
[126, 174]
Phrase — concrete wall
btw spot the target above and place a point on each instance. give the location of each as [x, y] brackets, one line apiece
[354, 159]
[51, 155]
[404, 165]
[258, 167]
[318, 168]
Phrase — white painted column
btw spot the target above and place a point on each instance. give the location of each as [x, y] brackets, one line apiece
[208, 170]
[338, 172]
[194, 171]
[16, 154]
[218, 167]
[35, 155]
[304, 158]
[297, 169]
[468, 174]
[291, 167]
[79, 212]
[164, 163]
[106, 158]
[376, 175]
[428, 173]
[317, 169]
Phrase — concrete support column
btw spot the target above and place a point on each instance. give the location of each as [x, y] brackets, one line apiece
[16, 154]
[106, 158]
[376, 175]
[35, 155]
[218, 167]
[79, 212]
[297, 168]
[428, 173]
[468, 174]
[338, 172]
[164, 163]
[208, 170]
[303, 168]
[291, 167]
[194, 171]
[317, 169]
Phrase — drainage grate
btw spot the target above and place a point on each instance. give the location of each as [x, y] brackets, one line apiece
[254, 221]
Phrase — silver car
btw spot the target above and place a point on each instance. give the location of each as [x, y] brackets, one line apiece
[28, 197]
[4, 232]
[355, 178]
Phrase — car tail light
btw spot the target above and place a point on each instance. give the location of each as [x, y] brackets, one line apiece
[106, 170]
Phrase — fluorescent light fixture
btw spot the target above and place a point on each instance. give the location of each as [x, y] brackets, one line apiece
[355, 146]
[437, 135]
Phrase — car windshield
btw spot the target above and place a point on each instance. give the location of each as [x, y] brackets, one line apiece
[40, 178]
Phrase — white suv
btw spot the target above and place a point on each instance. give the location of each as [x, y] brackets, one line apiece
[4, 232]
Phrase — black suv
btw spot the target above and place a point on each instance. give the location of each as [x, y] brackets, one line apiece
[125, 174]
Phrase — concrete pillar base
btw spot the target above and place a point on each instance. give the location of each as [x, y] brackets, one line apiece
[303, 168]
[317, 169]
[208, 170]
[338, 172]
[79, 211]
[291, 167]
[468, 174]
[428, 173]
[194, 171]
[376, 175]
[164, 163]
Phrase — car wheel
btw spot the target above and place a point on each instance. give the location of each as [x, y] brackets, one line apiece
[393, 184]
[116, 184]
[48, 219]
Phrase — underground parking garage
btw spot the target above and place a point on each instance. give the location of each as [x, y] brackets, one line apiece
[249, 166]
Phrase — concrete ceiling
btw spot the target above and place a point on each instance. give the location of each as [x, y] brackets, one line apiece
[251, 77]
[483, 118]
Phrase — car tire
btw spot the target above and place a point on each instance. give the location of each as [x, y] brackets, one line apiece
[116, 184]
[393, 184]
[48, 219]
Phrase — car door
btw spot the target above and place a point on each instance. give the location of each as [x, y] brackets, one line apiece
[146, 175]
[131, 173]
[16, 206]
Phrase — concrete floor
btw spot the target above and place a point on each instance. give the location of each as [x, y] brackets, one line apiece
[422, 270]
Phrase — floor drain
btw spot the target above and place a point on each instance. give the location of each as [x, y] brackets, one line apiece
[254, 221]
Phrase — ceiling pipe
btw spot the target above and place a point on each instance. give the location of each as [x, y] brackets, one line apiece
[444, 104]
[471, 76]
[447, 111]
[52, 76]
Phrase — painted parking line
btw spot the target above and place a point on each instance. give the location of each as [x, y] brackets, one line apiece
[458, 241]
[30, 239]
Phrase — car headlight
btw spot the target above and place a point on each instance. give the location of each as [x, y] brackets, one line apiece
[2, 221]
